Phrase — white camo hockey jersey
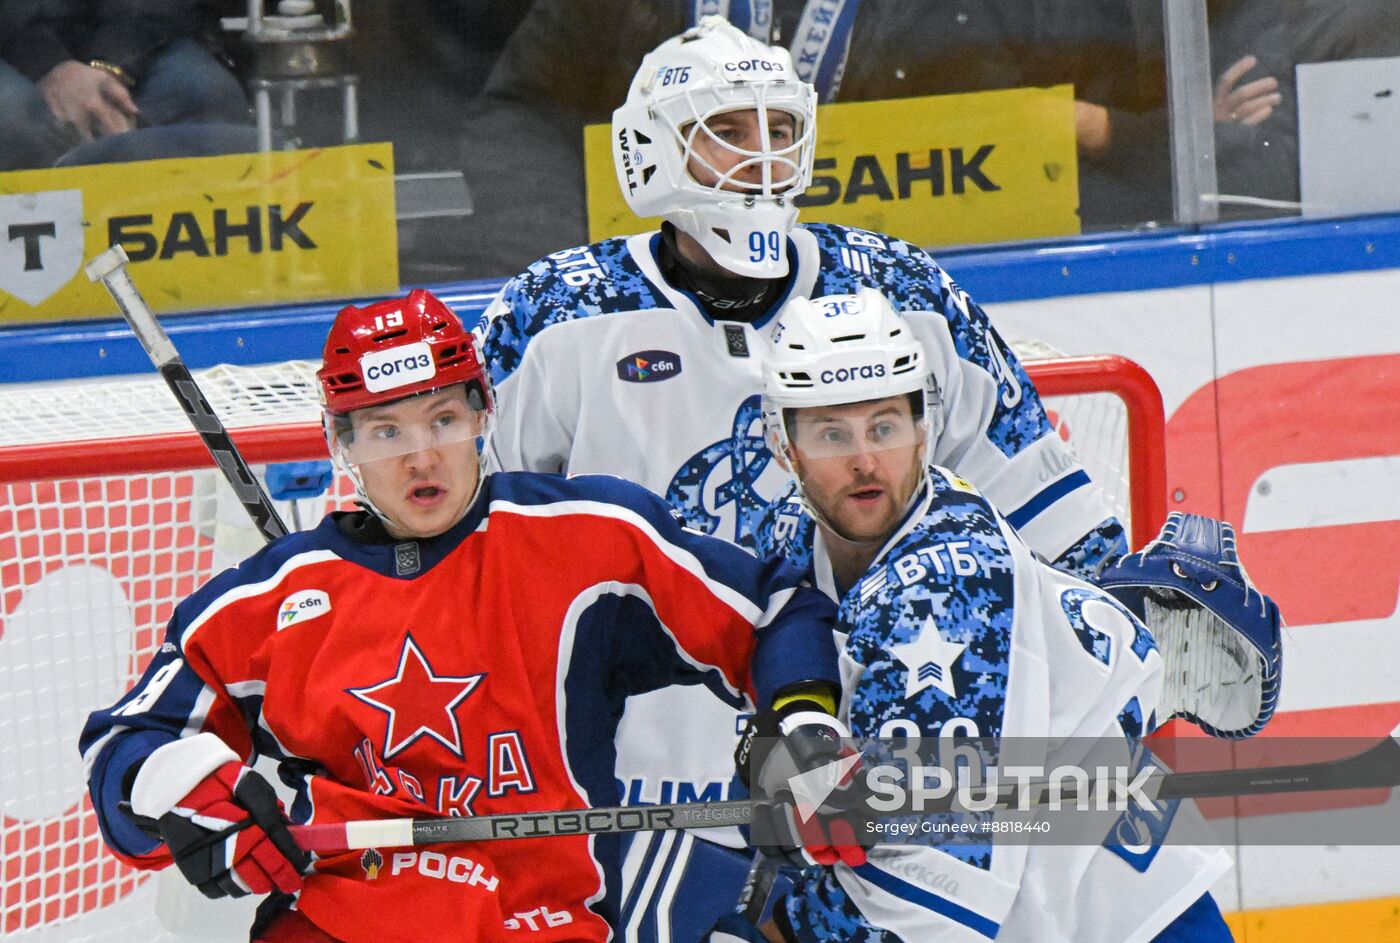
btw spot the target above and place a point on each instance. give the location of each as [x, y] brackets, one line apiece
[1018, 650]
[601, 366]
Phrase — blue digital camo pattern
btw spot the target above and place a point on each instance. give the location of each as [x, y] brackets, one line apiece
[976, 609]
[601, 278]
[746, 454]
[1143, 642]
[1138, 835]
[784, 529]
[819, 909]
[1096, 643]
[1093, 553]
[1131, 720]
[914, 282]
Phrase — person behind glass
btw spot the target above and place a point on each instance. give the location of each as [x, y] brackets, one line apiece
[877, 49]
[78, 71]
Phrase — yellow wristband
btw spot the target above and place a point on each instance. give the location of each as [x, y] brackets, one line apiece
[116, 71]
[823, 699]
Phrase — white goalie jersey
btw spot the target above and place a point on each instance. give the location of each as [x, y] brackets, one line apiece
[601, 366]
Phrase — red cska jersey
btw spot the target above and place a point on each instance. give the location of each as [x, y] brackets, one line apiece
[480, 671]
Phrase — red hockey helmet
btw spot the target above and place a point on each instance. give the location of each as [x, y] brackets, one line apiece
[397, 348]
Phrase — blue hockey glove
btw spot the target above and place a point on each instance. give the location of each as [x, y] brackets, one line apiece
[1218, 635]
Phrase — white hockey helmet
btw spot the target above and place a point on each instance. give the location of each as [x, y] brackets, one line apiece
[708, 70]
[841, 349]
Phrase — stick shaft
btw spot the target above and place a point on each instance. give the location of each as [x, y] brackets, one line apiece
[387, 833]
[1376, 767]
[758, 887]
[110, 269]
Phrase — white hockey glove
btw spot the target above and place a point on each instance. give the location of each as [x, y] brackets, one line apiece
[1218, 635]
[223, 823]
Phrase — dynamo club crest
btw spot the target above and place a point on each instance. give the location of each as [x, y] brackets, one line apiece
[721, 479]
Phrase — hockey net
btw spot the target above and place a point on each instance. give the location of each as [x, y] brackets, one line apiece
[110, 514]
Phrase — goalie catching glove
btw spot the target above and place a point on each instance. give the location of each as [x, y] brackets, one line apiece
[797, 762]
[223, 822]
[1218, 635]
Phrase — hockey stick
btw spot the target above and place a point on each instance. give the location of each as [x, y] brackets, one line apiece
[110, 269]
[763, 874]
[1377, 767]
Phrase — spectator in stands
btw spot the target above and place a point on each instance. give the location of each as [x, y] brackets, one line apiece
[75, 71]
[1326, 30]
[1254, 47]
[570, 61]
[1110, 51]
[1126, 157]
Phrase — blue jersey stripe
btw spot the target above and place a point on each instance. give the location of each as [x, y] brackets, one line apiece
[928, 900]
[1053, 492]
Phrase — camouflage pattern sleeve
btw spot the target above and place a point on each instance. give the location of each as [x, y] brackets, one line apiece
[785, 530]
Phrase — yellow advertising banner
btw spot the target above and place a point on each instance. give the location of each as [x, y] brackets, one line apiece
[203, 232]
[939, 170]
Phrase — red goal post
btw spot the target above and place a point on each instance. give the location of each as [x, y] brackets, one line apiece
[1075, 386]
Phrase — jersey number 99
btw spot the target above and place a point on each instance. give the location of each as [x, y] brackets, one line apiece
[765, 246]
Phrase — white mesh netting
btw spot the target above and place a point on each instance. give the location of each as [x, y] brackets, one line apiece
[74, 410]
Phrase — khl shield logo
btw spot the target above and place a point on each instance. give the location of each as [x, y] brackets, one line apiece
[648, 366]
[41, 242]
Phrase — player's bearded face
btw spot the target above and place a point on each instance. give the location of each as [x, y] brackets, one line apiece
[860, 463]
[417, 460]
[731, 150]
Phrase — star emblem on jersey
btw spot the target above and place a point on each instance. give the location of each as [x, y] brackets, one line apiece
[419, 702]
[929, 660]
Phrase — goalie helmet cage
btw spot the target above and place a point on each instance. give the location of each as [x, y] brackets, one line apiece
[110, 514]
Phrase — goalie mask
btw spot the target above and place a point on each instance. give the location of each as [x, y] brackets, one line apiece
[842, 350]
[392, 351]
[727, 183]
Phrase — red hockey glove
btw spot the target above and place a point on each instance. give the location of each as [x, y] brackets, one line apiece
[223, 823]
[811, 808]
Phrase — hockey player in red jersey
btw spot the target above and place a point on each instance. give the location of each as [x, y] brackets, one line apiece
[463, 645]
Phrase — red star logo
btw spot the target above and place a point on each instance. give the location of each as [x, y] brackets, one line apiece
[419, 703]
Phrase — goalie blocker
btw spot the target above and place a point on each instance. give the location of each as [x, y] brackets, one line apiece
[1210, 622]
